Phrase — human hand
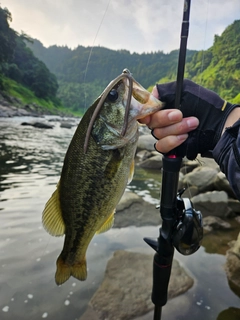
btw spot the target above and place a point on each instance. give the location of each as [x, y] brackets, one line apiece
[170, 128]
[205, 105]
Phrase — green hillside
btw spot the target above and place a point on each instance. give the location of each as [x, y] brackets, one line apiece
[59, 77]
[218, 68]
[83, 73]
[20, 68]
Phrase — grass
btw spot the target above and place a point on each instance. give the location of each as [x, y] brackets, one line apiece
[26, 96]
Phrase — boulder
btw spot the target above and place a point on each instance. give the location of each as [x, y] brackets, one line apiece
[146, 142]
[221, 183]
[202, 177]
[154, 162]
[132, 210]
[189, 166]
[66, 124]
[232, 266]
[211, 223]
[229, 314]
[143, 155]
[40, 125]
[125, 292]
[234, 205]
[213, 203]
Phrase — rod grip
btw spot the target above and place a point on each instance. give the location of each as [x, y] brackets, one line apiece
[162, 265]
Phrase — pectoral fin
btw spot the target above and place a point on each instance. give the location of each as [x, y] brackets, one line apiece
[107, 224]
[52, 215]
[131, 172]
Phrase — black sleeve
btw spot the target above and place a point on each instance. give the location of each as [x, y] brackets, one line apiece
[227, 154]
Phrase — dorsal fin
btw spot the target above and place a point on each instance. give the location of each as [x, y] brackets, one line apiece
[52, 215]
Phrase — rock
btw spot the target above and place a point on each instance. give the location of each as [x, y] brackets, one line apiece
[143, 129]
[143, 155]
[221, 183]
[190, 192]
[132, 210]
[213, 203]
[189, 166]
[234, 205]
[66, 125]
[207, 162]
[229, 314]
[232, 266]
[215, 223]
[125, 292]
[146, 142]
[127, 200]
[40, 125]
[203, 178]
[154, 162]
[237, 219]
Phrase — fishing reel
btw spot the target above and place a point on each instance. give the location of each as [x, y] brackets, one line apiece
[188, 229]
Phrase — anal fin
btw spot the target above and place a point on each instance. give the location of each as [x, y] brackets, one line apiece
[131, 172]
[107, 224]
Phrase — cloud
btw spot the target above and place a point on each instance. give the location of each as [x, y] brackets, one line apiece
[140, 26]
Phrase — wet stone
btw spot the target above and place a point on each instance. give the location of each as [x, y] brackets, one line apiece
[125, 292]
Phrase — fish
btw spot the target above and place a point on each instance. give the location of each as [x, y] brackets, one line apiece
[98, 165]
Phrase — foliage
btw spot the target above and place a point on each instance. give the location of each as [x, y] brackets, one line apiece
[83, 73]
[218, 68]
[18, 62]
[78, 76]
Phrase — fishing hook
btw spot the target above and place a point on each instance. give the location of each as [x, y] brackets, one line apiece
[125, 74]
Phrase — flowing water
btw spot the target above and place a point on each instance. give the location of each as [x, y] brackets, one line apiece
[30, 165]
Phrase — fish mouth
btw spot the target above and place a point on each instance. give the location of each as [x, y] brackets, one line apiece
[143, 103]
[138, 103]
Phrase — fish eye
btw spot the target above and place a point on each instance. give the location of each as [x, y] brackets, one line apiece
[113, 95]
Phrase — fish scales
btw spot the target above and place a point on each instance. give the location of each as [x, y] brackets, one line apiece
[92, 183]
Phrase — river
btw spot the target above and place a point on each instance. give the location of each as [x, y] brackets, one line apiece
[30, 165]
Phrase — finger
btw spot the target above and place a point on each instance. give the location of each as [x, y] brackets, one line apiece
[146, 120]
[186, 125]
[162, 118]
[170, 142]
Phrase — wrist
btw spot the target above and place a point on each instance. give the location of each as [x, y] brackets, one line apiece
[232, 118]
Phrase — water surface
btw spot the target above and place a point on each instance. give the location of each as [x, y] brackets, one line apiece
[30, 165]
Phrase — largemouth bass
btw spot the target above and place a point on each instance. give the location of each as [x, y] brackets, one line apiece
[97, 167]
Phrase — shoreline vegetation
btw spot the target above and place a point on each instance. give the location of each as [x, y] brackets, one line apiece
[56, 77]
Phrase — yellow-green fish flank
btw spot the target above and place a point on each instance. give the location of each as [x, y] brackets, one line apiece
[93, 182]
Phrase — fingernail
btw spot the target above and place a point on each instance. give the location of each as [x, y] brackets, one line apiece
[174, 115]
[182, 137]
[192, 123]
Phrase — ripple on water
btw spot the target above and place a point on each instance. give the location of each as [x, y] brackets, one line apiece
[30, 165]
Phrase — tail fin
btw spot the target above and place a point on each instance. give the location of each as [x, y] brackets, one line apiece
[64, 271]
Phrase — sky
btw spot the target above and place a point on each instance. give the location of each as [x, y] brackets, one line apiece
[135, 25]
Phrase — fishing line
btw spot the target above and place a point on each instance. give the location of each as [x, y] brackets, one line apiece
[91, 50]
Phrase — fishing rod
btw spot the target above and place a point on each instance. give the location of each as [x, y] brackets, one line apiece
[181, 224]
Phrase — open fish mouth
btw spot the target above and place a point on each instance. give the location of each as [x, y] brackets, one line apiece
[136, 96]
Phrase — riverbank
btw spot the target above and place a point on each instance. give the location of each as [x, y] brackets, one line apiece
[14, 107]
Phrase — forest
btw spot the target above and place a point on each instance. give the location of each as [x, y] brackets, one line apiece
[74, 78]
[18, 62]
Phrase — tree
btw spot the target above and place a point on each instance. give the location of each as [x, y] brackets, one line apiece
[7, 36]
